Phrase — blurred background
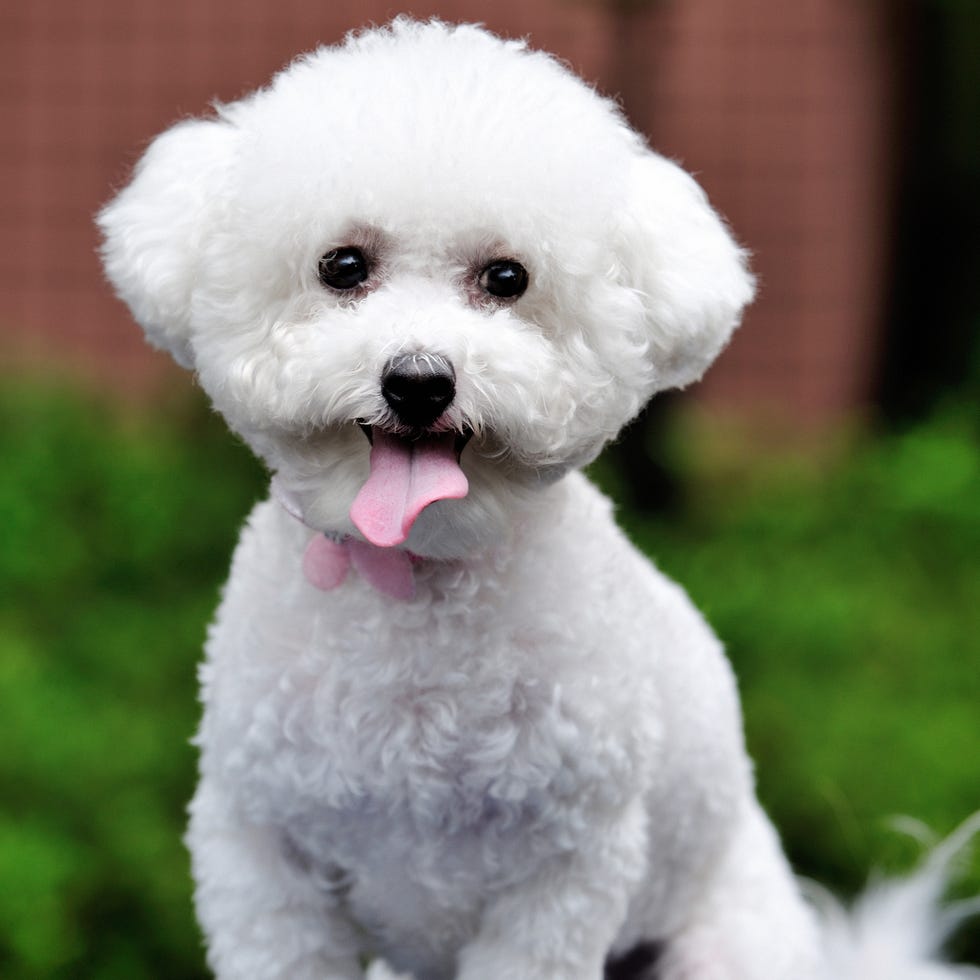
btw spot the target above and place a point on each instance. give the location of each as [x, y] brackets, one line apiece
[818, 493]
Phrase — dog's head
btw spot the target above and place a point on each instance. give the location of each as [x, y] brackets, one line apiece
[432, 240]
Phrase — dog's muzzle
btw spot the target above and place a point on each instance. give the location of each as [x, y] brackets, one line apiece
[418, 388]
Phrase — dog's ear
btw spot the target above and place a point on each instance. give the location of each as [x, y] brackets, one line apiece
[155, 228]
[690, 276]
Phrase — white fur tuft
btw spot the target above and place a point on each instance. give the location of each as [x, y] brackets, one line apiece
[695, 284]
[896, 929]
[154, 230]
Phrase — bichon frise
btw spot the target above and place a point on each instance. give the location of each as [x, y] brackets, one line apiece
[453, 720]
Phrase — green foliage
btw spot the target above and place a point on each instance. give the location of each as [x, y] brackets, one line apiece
[847, 599]
[116, 535]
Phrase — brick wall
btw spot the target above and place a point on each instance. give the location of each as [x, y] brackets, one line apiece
[781, 109]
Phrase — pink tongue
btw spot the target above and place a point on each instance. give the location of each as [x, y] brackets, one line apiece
[406, 476]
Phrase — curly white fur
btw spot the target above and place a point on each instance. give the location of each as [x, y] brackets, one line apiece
[536, 763]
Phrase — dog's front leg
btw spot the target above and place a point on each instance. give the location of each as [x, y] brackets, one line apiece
[560, 923]
[751, 922]
[263, 916]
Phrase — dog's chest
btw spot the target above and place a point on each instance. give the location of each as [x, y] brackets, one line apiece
[415, 800]
[422, 731]
[421, 756]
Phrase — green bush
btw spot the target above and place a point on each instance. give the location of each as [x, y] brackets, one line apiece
[117, 529]
[847, 597]
[847, 600]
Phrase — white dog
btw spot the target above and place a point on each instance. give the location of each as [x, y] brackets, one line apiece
[453, 719]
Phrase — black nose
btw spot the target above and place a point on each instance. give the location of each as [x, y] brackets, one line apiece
[418, 387]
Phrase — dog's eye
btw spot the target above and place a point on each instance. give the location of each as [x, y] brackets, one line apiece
[343, 268]
[505, 278]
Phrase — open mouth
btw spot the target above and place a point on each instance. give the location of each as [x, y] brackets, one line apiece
[461, 438]
[408, 472]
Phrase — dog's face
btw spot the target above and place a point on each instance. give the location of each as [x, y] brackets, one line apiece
[425, 267]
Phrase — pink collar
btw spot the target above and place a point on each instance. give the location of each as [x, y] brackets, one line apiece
[329, 556]
[328, 559]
